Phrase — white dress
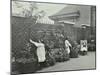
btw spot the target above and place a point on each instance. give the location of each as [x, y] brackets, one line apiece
[40, 51]
[67, 44]
[83, 45]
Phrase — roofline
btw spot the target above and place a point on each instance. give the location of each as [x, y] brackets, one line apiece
[64, 14]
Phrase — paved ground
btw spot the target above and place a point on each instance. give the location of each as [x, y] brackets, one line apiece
[83, 62]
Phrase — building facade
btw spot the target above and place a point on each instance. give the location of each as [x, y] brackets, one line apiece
[73, 17]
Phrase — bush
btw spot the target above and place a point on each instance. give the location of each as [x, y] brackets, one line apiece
[74, 49]
[60, 54]
[50, 61]
[25, 59]
[25, 65]
[74, 52]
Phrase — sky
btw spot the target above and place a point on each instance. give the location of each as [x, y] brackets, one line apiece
[50, 9]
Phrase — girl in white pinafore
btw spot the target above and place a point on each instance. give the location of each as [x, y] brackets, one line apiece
[40, 50]
[67, 45]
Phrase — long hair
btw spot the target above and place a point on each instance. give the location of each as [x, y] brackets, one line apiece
[35, 39]
[66, 38]
[42, 41]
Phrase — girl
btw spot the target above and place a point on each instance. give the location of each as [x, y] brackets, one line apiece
[40, 52]
[67, 45]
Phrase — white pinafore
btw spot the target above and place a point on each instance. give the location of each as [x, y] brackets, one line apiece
[40, 51]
